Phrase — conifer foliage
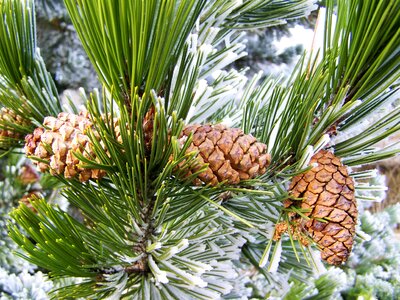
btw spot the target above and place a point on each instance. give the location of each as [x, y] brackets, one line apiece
[179, 169]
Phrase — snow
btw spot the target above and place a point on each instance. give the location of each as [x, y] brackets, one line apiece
[298, 36]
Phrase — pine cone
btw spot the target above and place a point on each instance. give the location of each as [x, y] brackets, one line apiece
[28, 175]
[230, 154]
[147, 128]
[31, 196]
[148, 124]
[57, 143]
[117, 130]
[9, 116]
[328, 195]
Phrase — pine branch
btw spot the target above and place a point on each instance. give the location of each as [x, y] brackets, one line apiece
[253, 253]
[259, 14]
[65, 244]
[135, 48]
[25, 86]
[312, 103]
[126, 213]
[148, 231]
[371, 71]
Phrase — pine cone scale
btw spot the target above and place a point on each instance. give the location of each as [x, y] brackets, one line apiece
[236, 154]
[310, 198]
[206, 148]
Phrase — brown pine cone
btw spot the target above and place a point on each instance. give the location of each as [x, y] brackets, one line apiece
[328, 199]
[9, 116]
[57, 143]
[148, 124]
[117, 130]
[30, 196]
[230, 154]
[28, 175]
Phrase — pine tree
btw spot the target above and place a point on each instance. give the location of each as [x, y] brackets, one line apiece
[185, 179]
